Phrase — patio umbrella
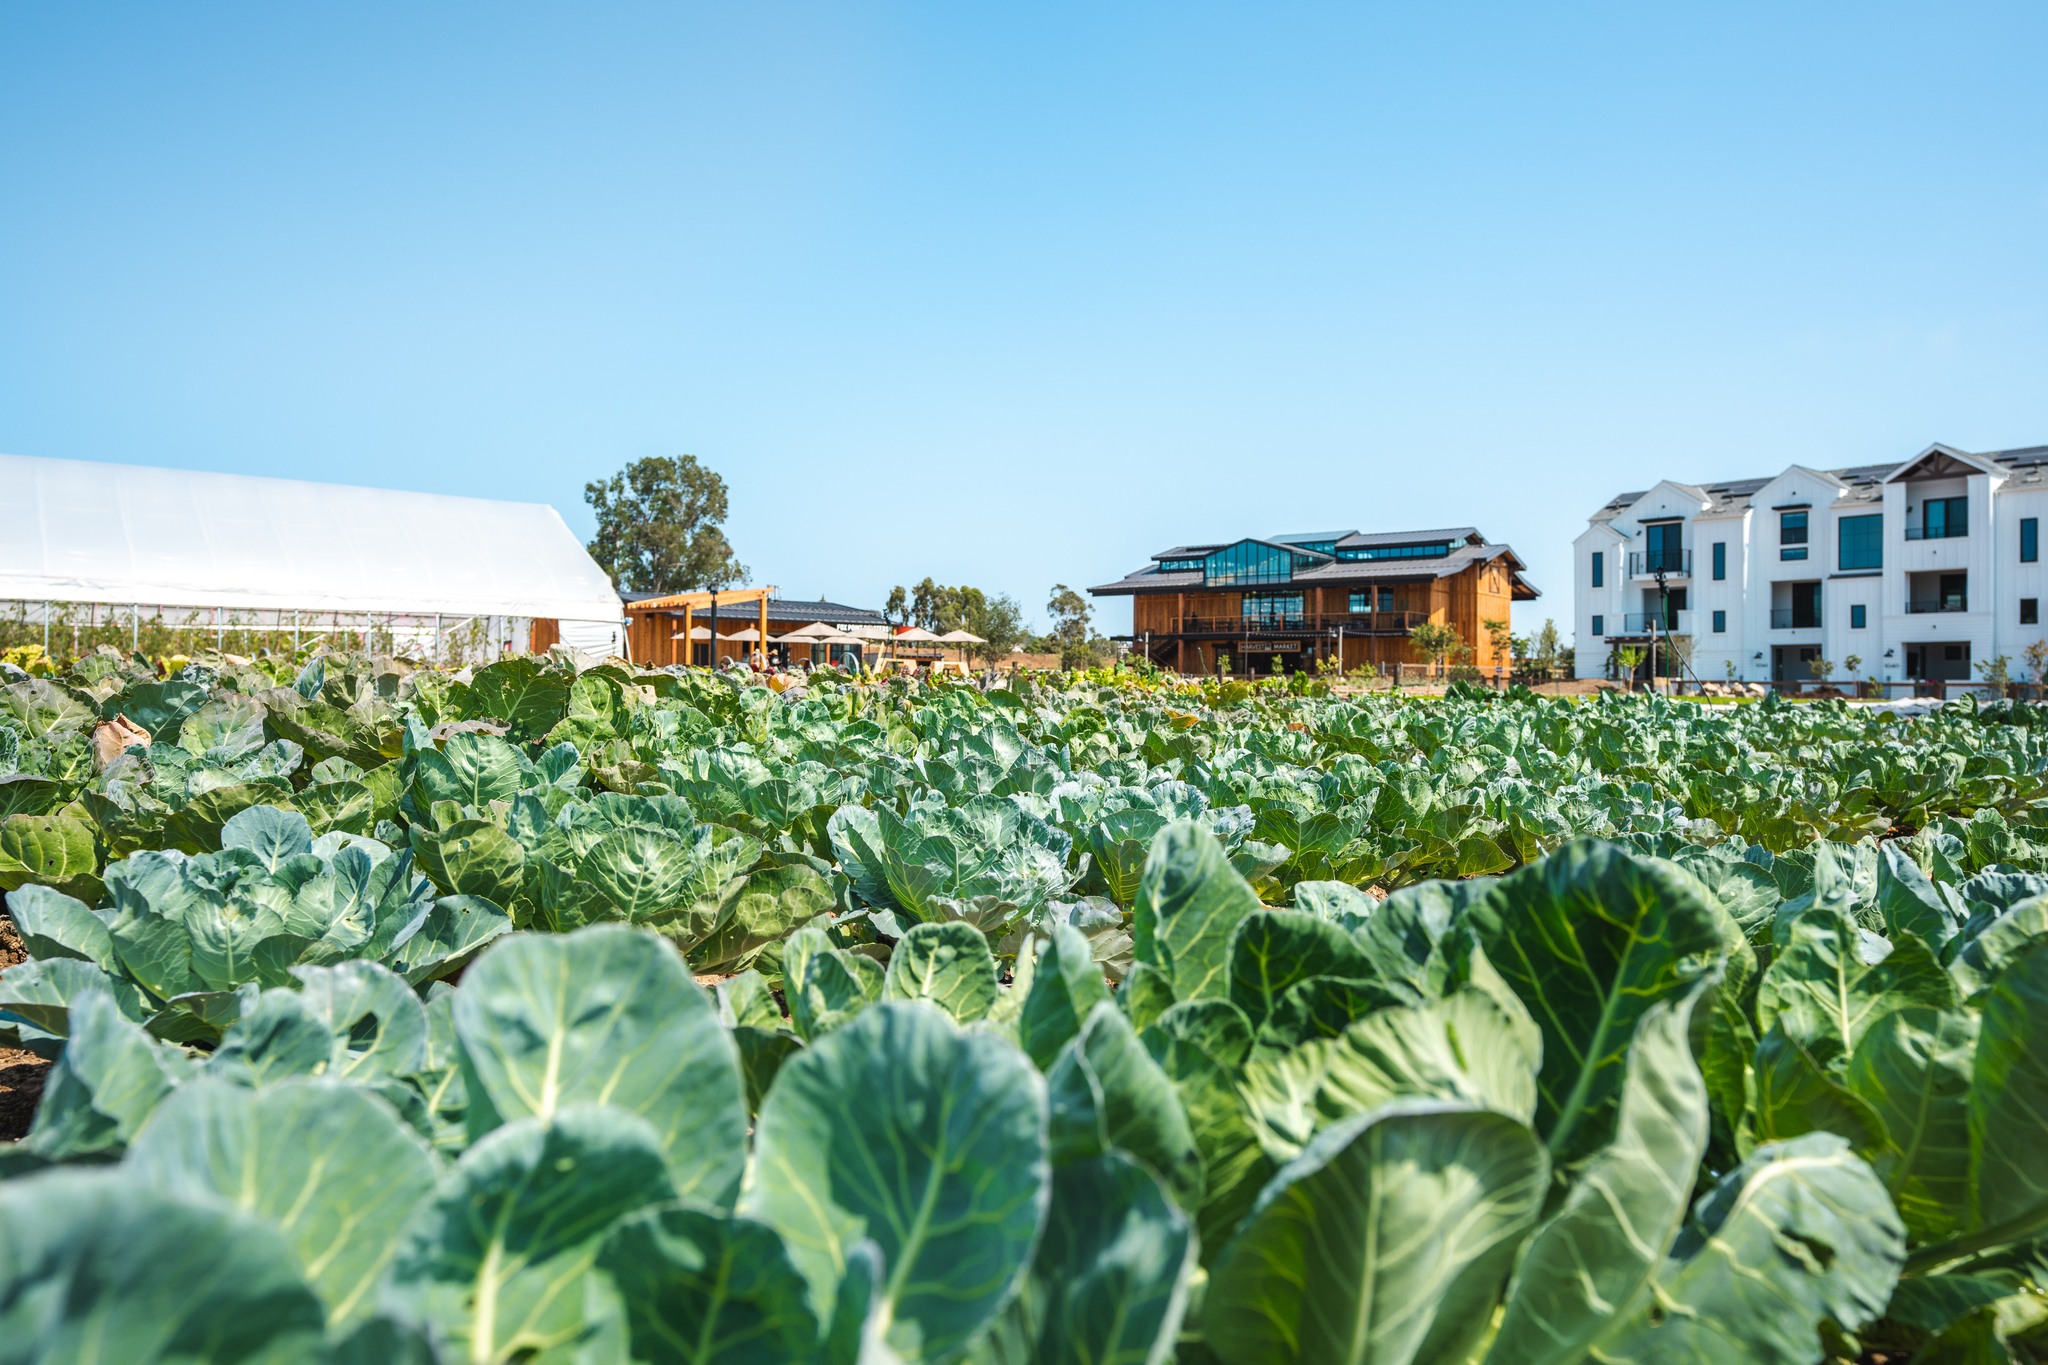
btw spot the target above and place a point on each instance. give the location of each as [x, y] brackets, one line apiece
[916, 635]
[741, 637]
[962, 638]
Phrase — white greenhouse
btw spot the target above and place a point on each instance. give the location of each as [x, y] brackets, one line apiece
[92, 546]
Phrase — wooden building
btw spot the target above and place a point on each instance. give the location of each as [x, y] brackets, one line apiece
[1264, 604]
[656, 624]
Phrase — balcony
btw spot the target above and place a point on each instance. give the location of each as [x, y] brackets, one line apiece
[1794, 618]
[1937, 532]
[1650, 563]
[1662, 623]
[1930, 605]
[1256, 627]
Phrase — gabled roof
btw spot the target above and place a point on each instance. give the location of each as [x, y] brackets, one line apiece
[1468, 548]
[798, 610]
[1864, 482]
[1940, 461]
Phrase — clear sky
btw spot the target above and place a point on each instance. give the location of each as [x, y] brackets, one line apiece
[1013, 294]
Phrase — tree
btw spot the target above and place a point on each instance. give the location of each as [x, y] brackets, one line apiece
[1627, 659]
[1436, 642]
[1070, 616]
[1548, 645]
[2036, 656]
[659, 527]
[999, 621]
[1502, 639]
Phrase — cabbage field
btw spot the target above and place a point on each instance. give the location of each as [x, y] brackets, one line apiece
[546, 1015]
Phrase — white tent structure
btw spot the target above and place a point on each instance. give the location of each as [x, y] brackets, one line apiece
[238, 551]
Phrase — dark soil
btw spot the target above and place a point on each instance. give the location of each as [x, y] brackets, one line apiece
[21, 1073]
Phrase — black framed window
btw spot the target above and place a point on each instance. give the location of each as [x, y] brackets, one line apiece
[1360, 602]
[1720, 620]
[1270, 608]
[1436, 549]
[1859, 543]
[1720, 560]
[1663, 547]
[1944, 518]
[1791, 535]
[1858, 616]
[2030, 539]
[2030, 611]
[1599, 569]
[1599, 624]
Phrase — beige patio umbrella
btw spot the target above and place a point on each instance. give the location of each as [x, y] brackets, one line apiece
[962, 638]
[742, 637]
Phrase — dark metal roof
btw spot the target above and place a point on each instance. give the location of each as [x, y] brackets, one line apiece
[790, 609]
[1335, 573]
[1732, 493]
[1311, 537]
[1448, 533]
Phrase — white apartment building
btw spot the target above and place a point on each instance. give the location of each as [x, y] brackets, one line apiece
[1921, 570]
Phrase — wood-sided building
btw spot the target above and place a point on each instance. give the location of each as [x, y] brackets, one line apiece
[1274, 602]
[656, 625]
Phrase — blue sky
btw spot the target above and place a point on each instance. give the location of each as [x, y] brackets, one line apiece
[1011, 295]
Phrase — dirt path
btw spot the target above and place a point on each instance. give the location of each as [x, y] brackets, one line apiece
[21, 1073]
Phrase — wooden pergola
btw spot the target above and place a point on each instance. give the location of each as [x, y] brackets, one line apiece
[690, 603]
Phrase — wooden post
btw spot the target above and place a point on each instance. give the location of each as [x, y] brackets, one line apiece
[764, 628]
[689, 646]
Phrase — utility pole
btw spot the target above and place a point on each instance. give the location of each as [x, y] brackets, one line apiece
[1663, 610]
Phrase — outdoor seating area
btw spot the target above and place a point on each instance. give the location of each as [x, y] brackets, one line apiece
[755, 628]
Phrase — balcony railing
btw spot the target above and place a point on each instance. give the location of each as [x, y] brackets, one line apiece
[1647, 563]
[1929, 605]
[1663, 623]
[1352, 623]
[1937, 532]
[1794, 618]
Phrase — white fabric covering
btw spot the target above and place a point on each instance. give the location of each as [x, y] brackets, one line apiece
[79, 531]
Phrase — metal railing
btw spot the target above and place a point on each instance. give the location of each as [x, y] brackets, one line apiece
[1644, 563]
[1665, 623]
[1352, 623]
[1794, 618]
[1929, 605]
[1937, 532]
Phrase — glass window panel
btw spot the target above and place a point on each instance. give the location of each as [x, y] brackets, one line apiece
[1272, 606]
[1599, 569]
[1860, 542]
[2030, 539]
[1792, 528]
[1720, 559]
[1437, 549]
[1250, 562]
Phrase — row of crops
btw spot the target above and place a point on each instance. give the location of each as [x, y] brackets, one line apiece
[598, 1016]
